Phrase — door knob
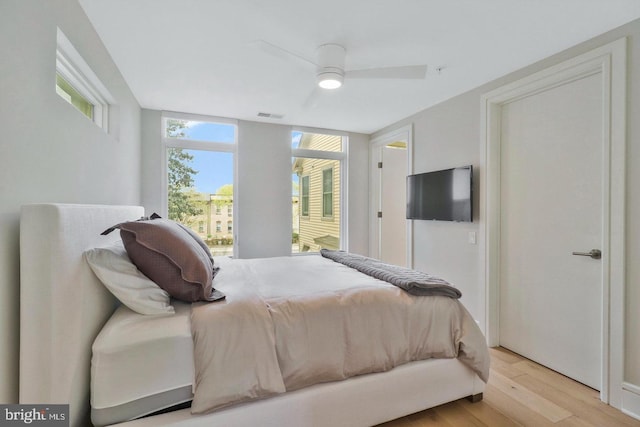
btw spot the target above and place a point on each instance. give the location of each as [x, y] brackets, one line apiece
[593, 253]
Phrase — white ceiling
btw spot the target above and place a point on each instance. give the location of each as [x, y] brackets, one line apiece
[199, 56]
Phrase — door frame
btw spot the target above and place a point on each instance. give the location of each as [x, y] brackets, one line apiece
[404, 133]
[610, 62]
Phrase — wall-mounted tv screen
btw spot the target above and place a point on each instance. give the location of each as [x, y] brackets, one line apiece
[444, 195]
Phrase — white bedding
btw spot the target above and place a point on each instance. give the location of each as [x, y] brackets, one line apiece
[136, 357]
[296, 321]
[141, 363]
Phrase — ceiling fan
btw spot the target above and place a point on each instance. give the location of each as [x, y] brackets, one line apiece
[329, 66]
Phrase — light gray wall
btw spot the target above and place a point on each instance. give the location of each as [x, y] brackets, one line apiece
[50, 152]
[448, 135]
[264, 190]
[358, 193]
[263, 209]
[152, 161]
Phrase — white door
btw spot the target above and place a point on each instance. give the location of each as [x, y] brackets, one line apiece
[551, 206]
[393, 204]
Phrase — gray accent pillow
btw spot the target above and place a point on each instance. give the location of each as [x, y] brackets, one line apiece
[193, 234]
[168, 254]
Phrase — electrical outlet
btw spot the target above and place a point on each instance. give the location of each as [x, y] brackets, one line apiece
[472, 237]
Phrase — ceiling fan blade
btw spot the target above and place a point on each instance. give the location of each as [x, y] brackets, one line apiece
[312, 99]
[280, 53]
[405, 72]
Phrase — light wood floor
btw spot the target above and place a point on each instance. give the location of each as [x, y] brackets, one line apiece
[523, 393]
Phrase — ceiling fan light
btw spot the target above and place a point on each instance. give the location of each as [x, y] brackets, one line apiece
[330, 80]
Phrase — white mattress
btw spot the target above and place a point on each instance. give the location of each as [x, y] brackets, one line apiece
[141, 364]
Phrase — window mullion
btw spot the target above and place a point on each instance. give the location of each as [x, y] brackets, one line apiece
[317, 154]
[190, 144]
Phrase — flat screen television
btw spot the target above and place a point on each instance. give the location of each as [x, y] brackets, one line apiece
[444, 195]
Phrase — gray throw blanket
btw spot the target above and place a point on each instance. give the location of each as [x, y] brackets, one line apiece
[412, 281]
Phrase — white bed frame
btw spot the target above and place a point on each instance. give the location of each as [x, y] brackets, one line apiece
[63, 306]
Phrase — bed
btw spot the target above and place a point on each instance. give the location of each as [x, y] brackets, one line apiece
[64, 307]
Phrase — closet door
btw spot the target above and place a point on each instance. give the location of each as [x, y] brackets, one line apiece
[552, 207]
[393, 205]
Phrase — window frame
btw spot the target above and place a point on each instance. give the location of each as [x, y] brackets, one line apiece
[304, 196]
[189, 144]
[72, 95]
[343, 158]
[75, 71]
[326, 216]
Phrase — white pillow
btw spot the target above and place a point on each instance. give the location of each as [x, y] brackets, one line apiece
[135, 290]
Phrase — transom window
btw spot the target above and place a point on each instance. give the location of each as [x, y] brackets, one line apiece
[199, 130]
[77, 84]
[73, 97]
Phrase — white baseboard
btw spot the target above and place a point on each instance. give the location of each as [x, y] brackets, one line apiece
[631, 400]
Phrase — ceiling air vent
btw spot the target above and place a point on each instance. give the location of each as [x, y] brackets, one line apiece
[270, 115]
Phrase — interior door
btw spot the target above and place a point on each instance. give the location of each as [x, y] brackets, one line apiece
[551, 201]
[393, 203]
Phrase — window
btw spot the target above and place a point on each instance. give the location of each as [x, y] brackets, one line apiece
[201, 227]
[229, 226]
[304, 195]
[77, 84]
[204, 131]
[317, 170]
[327, 193]
[73, 97]
[200, 174]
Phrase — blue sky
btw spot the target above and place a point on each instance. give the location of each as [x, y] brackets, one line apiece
[295, 143]
[295, 139]
[215, 169]
[205, 131]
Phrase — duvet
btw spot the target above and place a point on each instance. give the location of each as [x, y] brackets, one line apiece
[291, 322]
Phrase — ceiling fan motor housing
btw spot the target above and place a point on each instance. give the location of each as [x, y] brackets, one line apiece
[330, 72]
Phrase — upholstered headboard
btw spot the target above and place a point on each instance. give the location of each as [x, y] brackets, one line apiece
[62, 304]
